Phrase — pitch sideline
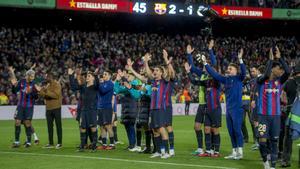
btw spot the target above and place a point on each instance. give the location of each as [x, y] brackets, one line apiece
[118, 159]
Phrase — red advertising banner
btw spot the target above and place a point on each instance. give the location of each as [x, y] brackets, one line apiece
[243, 12]
[95, 5]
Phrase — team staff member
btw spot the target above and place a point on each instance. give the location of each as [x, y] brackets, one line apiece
[105, 111]
[234, 113]
[53, 98]
[145, 90]
[128, 100]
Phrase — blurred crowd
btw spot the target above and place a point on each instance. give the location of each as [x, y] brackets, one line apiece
[58, 49]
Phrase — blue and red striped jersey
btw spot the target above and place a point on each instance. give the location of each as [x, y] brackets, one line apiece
[157, 96]
[27, 93]
[269, 97]
[212, 94]
[168, 92]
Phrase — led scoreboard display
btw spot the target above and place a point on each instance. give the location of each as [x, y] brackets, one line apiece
[160, 8]
[167, 8]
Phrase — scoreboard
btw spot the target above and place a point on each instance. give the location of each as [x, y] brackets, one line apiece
[135, 7]
[158, 8]
[168, 8]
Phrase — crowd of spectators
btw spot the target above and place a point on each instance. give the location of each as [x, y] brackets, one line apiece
[58, 49]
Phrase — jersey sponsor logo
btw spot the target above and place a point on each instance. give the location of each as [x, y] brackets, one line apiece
[271, 90]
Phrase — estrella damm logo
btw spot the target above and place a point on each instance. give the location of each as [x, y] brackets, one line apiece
[160, 8]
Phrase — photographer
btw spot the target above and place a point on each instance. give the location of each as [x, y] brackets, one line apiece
[52, 95]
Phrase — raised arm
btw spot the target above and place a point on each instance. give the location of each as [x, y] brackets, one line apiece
[194, 69]
[242, 75]
[212, 56]
[97, 80]
[33, 67]
[267, 72]
[285, 66]
[212, 72]
[13, 78]
[137, 75]
[286, 69]
[193, 80]
[147, 58]
[168, 62]
[73, 82]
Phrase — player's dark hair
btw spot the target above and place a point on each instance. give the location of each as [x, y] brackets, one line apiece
[108, 71]
[261, 68]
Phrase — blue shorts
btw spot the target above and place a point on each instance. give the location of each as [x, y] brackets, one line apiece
[88, 118]
[157, 118]
[201, 111]
[104, 116]
[268, 126]
[24, 113]
[213, 118]
[169, 116]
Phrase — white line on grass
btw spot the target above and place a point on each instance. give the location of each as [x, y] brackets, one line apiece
[118, 159]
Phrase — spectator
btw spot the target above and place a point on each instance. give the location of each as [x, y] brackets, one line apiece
[187, 99]
[59, 49]
[3, 98]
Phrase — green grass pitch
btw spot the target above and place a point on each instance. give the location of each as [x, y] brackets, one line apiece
[67, 158]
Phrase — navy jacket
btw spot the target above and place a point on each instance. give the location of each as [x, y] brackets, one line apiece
[233, 88]
[105, 94]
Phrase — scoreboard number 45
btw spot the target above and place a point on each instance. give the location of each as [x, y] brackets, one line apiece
[140, 7]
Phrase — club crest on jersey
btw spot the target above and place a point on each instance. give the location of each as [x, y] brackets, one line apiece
[160, 9]
[276, 83]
